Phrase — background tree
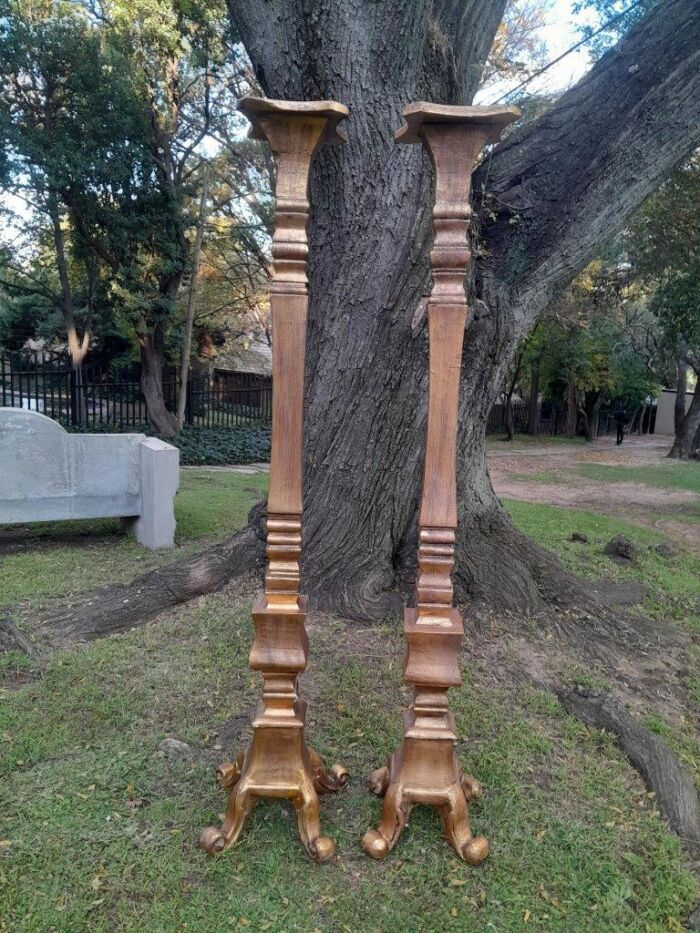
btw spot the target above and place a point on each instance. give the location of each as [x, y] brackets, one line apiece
[104, 113]
[663, 245]
[58, 87]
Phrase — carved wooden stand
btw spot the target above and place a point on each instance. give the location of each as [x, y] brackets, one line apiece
[425, 769]
[278, 762]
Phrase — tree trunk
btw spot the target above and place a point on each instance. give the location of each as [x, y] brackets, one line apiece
[161, 420]
[509, 418]
[571, 406]
[589, 413]
[685, 441]
[533, 417]
[192, 302]
[77, 347]
[681, 393]
[510, 389]
[554, 191]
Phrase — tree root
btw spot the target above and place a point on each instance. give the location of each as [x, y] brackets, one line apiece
[659, 767]
[116, 608]
[12, 639]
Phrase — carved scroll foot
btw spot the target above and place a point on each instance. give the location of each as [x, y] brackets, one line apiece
[216, 840]
[278, 765]
[395, 811]
[425, 772]
[471, 787]
[455, 822]
[320, 848]
[379, 781]
[327, 782]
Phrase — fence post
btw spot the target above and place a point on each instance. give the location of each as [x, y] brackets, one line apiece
[188, 398]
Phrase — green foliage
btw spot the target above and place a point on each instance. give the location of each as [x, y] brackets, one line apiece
[222, 446]
[587, 339]
[244, 444]
[106, 119]
[663, 243]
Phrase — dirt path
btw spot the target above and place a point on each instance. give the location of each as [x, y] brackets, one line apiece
[555, 482]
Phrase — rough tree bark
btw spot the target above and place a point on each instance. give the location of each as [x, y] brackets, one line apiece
[553, 191]
[681, 391]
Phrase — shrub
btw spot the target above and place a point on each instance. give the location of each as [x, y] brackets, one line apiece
[244, 444]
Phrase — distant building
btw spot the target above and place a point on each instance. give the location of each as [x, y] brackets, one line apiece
[664, 411]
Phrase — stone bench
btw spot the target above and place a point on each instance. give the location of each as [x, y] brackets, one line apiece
[48, 474]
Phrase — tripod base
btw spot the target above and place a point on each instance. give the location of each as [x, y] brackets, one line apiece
[277, 764]
[425, 771]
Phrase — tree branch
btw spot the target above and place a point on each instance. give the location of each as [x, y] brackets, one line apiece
[571, 179]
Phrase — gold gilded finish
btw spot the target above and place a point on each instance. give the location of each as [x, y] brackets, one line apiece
[278, 762]
[424, 770]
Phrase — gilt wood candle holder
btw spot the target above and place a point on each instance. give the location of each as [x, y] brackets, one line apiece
[278, 762]
[425, 768]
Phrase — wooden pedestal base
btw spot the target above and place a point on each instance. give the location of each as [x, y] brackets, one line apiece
[425, 771]
[425, 768]
[278, 762]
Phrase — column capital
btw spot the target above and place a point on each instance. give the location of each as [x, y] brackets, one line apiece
[488, 122]
[267, 116]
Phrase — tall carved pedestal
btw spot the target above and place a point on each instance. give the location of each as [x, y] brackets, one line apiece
[278, 762]
[425, 768]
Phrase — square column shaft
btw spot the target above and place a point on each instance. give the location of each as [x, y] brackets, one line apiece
[425, 768]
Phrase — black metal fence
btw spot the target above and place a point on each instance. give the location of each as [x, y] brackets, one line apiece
[551, 419]
[110, 398]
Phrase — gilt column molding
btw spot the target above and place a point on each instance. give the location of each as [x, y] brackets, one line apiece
[278, 762]
[425, 768]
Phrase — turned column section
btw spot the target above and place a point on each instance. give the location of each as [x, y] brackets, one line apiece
[425, 768]
[278, 762]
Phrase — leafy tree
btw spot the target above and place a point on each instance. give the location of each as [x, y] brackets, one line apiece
[132, 92]
[58, 88]
[663, 243]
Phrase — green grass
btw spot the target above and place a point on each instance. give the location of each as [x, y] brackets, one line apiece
[98, 831]
[62, 558]
[675, 583]
[664, 475]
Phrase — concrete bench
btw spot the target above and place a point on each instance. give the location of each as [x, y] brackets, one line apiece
[48, 474]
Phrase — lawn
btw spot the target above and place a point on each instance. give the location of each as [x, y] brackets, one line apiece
[60, 559]
[98, 828]
[674, 582]
[669, 475]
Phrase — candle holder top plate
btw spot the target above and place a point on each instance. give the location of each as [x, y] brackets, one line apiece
[331, 110]
[492, 120]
